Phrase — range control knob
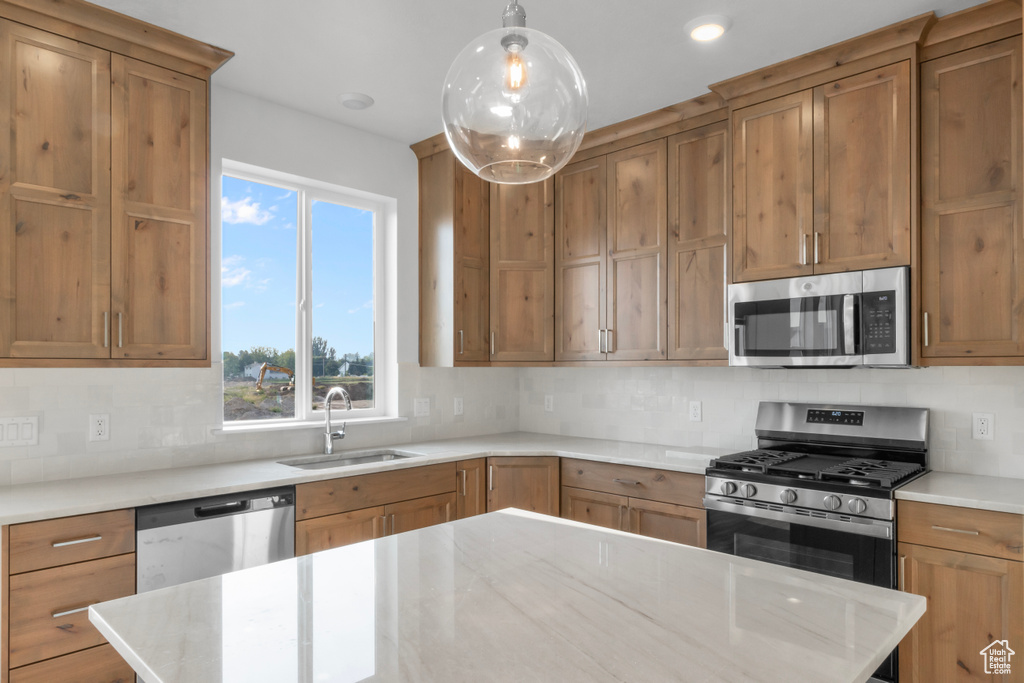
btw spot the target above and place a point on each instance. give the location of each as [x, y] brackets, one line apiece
[833, 502]
[857, 506]
[729, 488]
[787, 496]
[749, 490]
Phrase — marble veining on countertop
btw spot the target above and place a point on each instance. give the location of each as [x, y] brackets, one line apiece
[1000, 494]
[47, 500]
[511, 596]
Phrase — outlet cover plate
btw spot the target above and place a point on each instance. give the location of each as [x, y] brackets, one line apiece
[458, 405]
[99, 427]
[19, 431]
[983, 426]
[421, 407]
[696, 413]
[549, 403]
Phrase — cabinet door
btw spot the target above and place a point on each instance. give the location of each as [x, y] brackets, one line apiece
[472, 266]
[862, 149]
[527, 483]
[973, 600]
[697, 217]
[54, 196]
[159, 234]
[668, 522]
[581, 230]
[334, 531]
[99, 664]
[522, 272]
[591, 507]
[471, 485]
[637, 251]
[773, 188]
[972, 262]
[419, 513]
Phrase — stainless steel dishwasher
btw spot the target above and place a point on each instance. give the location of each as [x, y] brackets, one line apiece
[196, 539]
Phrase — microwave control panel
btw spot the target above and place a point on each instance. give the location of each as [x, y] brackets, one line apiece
[878, 316]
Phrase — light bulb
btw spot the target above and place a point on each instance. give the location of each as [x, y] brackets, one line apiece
[516, 71]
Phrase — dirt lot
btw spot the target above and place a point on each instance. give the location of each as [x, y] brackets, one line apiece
[276, 400]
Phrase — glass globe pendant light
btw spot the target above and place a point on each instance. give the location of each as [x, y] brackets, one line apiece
[514, 104]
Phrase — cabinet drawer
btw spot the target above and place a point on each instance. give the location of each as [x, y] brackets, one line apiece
[56, 542]
[368, 490]
[637, 482]
[96, 665]
[981, 532]
[36, 597]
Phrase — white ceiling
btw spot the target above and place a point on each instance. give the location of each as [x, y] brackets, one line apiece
[634, 55]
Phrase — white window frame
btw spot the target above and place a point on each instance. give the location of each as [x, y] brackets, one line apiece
[308, 191]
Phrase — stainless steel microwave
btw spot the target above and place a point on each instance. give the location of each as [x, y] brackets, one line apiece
[837, 320]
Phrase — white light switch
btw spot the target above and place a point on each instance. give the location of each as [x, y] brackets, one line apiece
[458, 405]
[421, 407]
[19, 431]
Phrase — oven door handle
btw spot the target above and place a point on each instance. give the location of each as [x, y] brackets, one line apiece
[862, 527]
[848, 322]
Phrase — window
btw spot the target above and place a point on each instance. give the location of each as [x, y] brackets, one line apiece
[300, 290]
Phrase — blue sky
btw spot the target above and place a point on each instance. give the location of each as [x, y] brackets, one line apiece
[259, 263]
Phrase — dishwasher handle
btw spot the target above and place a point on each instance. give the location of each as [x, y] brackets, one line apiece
[213, 507]
[204, 511]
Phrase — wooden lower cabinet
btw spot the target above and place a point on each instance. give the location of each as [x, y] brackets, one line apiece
[99, 664]
[666, 521]
[471, 488]
[420, 513]
[528, 483]
[973, 600]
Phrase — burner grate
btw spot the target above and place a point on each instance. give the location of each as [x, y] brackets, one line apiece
[755, 461]
[862, 472]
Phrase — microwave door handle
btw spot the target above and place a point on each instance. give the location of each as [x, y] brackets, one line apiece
[848, 322]
[741, 339]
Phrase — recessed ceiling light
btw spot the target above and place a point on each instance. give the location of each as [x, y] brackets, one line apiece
[356, 100]
[707, 27]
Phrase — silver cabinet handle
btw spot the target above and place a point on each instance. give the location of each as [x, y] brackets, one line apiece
[628, 482]
[926, 328]
[803, 250]
[75, 541]
[608, 341]
[58, 615]
[903, 572]
[492, 342]
[600, 341]
[490, 477]
[120, 331]
[816, 246]
[464, 491]
[462, 346]
[106, 329]
[384, 525]
[393, 524]
[955, 531]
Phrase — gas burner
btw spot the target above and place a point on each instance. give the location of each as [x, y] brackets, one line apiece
[861, 472]
[755, 461]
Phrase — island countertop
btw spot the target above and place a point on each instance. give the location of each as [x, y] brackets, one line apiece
[511, 596]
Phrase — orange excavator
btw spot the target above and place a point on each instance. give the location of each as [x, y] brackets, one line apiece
[267, 367]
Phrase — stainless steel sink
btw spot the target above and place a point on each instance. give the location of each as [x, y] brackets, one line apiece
[323, 462]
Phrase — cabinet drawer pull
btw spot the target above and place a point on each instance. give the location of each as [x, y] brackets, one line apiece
[58, 615]
[75, 541]
[903, 572]
[628, 482]
[955, 531]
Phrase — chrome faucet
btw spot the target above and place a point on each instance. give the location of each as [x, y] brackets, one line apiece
[330, 436]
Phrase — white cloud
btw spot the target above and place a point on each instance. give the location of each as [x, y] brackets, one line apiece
[368, 304]
[232, 272]
[243, 211]
[234, 304]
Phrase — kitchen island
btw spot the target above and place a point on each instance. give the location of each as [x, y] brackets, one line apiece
[510, 596]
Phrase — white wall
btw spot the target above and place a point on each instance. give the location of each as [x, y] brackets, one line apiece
[166, 417]
[650, 405]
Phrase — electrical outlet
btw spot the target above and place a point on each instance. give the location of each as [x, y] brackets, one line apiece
[549, 403]
[99, 427]
[421, 407]
[984, 426]
[458, 405]
[695, 411]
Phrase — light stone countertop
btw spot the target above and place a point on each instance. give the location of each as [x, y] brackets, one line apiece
[511, 596]
[999, 494]
[48, 500]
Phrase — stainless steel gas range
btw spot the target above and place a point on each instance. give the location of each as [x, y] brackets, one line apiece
[819, 491]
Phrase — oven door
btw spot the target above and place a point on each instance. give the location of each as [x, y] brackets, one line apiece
[846, 554]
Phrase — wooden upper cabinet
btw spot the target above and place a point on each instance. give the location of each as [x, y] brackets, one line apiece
[862, 192]
[972, 262]
[697, 218]
[636, 275]
[773, 188]
[522, 310]
[454, 263]
[581, 228]
[54, 196]
[159, 205]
